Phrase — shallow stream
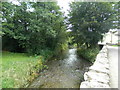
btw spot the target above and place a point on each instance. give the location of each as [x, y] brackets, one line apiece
[66, 73]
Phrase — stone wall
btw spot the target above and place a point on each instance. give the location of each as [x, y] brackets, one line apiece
[98, 74]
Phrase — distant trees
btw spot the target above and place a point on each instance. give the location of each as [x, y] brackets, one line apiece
[89, 21]
[116, 20]
[33, 26]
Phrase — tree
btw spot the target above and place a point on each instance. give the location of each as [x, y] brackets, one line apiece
[89, 21]
[36, 30]
[116, 19]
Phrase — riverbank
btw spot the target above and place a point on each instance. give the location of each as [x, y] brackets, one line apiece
[16, 69]
[66, 73]
[98, 75]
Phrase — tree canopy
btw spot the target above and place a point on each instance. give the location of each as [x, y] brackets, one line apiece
[33, 25]
[89, 20]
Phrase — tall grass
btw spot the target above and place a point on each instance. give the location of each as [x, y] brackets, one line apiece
[16, 69]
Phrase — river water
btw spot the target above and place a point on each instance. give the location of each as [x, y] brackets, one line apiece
[66, 73]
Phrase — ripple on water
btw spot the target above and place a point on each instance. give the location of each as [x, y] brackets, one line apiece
[67, 73]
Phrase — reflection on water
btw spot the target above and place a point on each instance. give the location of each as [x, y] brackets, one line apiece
[72, 57]
[66, 73]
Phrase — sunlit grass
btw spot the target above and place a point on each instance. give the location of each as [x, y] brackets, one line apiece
[115, 45]
[16, 69]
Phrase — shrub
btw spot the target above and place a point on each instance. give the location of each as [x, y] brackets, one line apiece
[35, 70]
[46, 53]
[34, 31]
[88, 54]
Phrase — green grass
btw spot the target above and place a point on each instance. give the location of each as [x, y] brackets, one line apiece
[16, 69]
[115, 45]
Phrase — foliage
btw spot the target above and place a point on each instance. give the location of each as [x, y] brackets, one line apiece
[88, 54]
[116, 19]
[36, 30]
[1, 33]
[89, 20]
[13, 74]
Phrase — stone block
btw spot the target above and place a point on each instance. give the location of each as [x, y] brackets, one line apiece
[85, 84]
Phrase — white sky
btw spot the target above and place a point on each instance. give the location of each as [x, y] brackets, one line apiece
[14, 2]
[64, 4]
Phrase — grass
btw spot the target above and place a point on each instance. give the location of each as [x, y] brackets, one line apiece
[115, 45]
[16, 69]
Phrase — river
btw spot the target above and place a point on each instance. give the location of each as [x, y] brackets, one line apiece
[66, 73]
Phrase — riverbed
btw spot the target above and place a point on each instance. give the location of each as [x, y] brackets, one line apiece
[66, 73]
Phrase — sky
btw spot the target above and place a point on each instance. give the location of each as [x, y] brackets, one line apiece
[64, 4]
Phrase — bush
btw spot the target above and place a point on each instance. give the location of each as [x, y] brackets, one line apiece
[88, 54]
[32, 32]
[36, 69]
[47, 54]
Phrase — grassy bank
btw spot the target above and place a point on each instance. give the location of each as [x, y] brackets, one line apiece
[88, 54]
[18, 69]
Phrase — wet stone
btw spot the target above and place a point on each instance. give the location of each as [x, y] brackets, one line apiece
[66, 73]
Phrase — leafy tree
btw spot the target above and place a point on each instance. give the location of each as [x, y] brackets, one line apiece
[116, 20]
[37, 30]
[89, 21]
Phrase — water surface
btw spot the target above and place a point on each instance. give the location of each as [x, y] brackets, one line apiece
[66, 73]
